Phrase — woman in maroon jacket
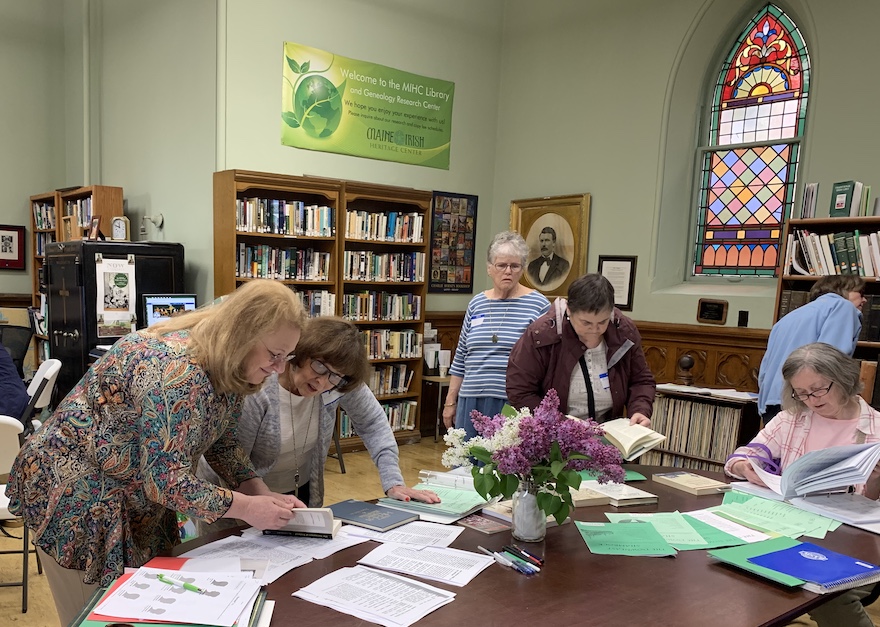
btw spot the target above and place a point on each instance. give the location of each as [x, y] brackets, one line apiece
[587, 351]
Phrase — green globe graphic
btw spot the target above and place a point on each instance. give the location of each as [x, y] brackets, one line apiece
[318, 106]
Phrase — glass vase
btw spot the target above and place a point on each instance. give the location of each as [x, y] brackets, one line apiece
[529, 522]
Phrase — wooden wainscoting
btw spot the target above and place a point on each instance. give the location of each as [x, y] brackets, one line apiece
[724, 357]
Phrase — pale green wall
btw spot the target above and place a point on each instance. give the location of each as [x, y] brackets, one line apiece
[31, 115]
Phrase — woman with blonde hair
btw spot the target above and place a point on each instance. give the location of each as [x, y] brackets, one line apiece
[100, 483]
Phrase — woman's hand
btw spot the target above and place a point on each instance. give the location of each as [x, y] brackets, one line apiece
[449, 416]
[403, 493]
[261, 511]
[743, 468]
[640, 419]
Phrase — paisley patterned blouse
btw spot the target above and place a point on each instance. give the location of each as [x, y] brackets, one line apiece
[100, 482]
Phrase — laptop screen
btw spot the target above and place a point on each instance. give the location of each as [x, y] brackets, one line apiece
[159, 307]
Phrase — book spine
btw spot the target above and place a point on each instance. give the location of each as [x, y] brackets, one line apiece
[299, 534]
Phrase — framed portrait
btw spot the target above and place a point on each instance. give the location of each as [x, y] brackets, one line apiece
[11, 247]
[621, 273]
[557, 229]
[95, 228]
[453, 226]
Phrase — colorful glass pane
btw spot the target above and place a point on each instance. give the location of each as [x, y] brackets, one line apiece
[746, 192]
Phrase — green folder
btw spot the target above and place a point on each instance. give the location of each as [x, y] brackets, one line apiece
[739, 556]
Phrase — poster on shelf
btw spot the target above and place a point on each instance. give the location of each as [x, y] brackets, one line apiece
[453, 226]
[117, 296]
[335, 104]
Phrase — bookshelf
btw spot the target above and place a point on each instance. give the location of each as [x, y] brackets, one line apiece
[85, 203]
[346, 265]
[44, 230]
[701, 431]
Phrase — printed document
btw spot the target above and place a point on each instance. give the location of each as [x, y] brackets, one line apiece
[445, 565]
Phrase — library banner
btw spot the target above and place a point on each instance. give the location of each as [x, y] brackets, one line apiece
[336, 104]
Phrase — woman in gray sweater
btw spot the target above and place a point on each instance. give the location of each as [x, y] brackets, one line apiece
[286, 428]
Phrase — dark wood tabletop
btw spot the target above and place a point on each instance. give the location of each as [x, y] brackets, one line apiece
[576, 587]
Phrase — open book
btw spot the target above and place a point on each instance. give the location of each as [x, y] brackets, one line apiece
[309, 522]
[457, 497]
[825, 470]
[631, 440]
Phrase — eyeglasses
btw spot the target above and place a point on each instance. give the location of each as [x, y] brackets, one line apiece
[815, 394]
[502, 267]
[276, 358]
[320, 368]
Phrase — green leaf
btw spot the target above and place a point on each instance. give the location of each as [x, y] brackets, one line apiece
[484, 484]
[555, 452]
[509, 484]
[572, 478]
[481, 454]
[578, 456]
[508, 411]
[294, 65]
[557, 467]
[548, 503]
[305, 67]
[289, 118]
[561, 514]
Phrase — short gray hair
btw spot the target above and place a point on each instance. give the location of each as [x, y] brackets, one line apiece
[826, 361]
[508, 241]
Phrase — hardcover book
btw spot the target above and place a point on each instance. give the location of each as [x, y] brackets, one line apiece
[841, 198]
[370, 515]
[691, 483]
[483, 524]
[309, 522]
[631, 440]
[621, 494]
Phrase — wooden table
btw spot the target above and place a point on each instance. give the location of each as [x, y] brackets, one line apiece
[576, 587]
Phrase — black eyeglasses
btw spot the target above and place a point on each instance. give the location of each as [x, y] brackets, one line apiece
[320, 368]
[276, 358]
[815, 394]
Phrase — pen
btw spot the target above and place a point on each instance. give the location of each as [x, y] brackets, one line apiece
[527, 554]
[513, 550]
[516, 559]
[183, 584]
[504, 561]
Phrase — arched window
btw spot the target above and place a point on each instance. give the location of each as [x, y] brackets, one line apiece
[749, 165]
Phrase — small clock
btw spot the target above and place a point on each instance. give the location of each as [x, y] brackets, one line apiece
[120, 229]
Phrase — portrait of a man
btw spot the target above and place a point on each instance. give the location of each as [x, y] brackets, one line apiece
[549, 267]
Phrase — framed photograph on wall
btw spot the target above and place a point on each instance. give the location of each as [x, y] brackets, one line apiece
[621, 273]
[11, 247]
[557, 229]
[453, 226]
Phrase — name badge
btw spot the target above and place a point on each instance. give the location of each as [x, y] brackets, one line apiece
[603, 379]
[478, 320]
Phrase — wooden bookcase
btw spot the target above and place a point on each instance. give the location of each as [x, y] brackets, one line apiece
[245, 204]
[85, 203]
[44, 230]
[701, 431]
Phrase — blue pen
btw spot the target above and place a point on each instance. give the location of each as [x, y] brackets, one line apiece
[526, 553]
[516, 559]
[503, 560]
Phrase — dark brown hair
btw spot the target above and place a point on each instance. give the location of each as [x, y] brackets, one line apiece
[338, 343]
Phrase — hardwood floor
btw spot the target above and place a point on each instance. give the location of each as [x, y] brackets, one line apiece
[360, 481]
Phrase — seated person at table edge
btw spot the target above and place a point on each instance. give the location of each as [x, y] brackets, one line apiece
[822, 408]
[13, 395]
[589, 352]
[287, 427]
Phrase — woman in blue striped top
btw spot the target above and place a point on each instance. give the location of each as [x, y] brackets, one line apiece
[495, 319]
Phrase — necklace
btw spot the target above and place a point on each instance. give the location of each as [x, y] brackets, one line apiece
[293, 433]
[495, 334]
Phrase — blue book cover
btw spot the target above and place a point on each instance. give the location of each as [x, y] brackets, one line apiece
[370, 515]
[819, 565]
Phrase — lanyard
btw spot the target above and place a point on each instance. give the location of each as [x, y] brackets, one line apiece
[591, 400]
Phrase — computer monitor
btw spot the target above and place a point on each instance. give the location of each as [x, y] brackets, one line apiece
[158, 307]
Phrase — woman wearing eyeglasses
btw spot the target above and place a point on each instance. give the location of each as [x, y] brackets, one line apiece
[287, 428]
[821, 408]
[495, 319]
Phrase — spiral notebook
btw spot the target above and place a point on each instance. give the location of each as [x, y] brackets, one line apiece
[822, 569]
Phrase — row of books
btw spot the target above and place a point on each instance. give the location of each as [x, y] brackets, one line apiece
[390, 379]
[267, 262]
[41, 241]
[388, 344]
[283, 217]
[44, 215]
[789, 300]
[706, 430]
[391, 226]
[81, 209]
[366, 265]
[370, 305]
[401, 416]
[843, 252]
[318, 302]
[851, 199]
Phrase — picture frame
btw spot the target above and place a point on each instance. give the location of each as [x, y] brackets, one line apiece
[95, 228]
[70, 229]
[11, 247]
[712, 311]
[557, 230]
[620, 270]
[453, 228]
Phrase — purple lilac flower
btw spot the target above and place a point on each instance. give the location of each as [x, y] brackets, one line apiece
[486, 426]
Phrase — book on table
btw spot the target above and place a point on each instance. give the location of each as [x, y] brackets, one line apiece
[822, 570]
[826, 470]
[690, 482]
[621, 494]
[309, 522]
[587, 497]
[370, 515]
[631, 439]
[503, 510]
[847, 507]
[483, 524]
[457, 497]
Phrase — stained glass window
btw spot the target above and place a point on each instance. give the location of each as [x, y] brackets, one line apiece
[749, 167]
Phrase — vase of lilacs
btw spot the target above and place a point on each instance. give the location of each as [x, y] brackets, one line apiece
[533, 457]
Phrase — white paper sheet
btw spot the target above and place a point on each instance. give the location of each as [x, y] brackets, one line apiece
[417, 533]
[281, 559]
[742, 532]
[376, 596]
[445, 565]
[316, 548]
